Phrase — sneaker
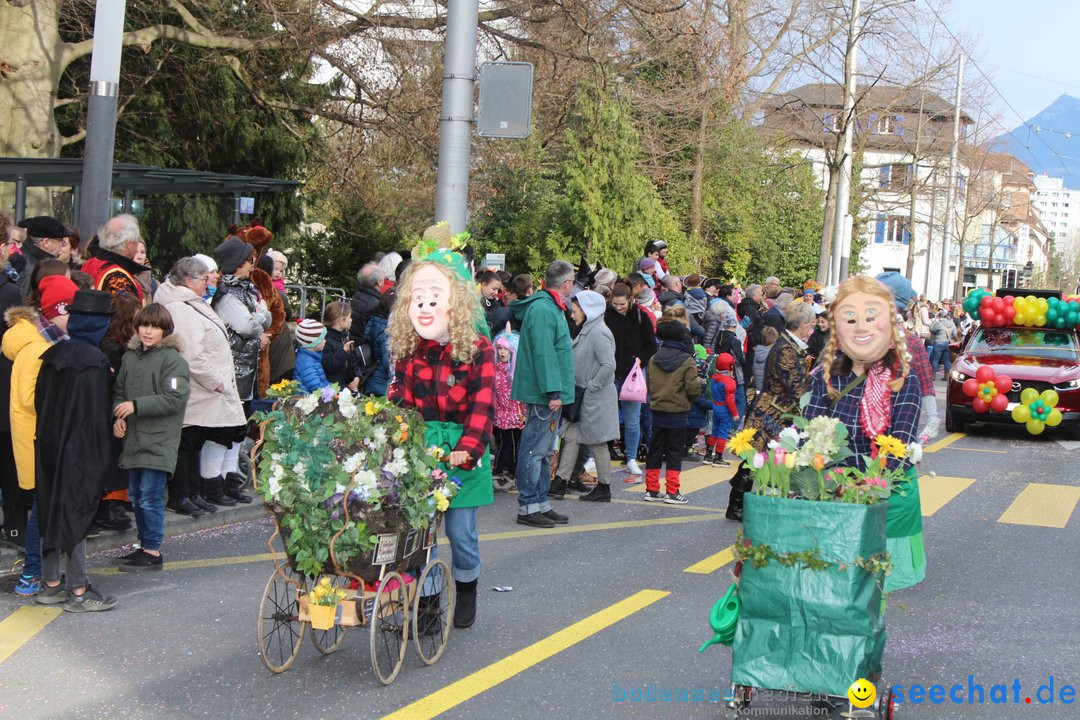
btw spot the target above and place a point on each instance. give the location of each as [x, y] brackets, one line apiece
[719, 461]
[95, 531]
[143, 561]
[90, 601]
[124, 559]
[28, 586]
[52, 595]
[535, 520]
[653, 496]
[675, 499]
[555, 517]
[633, 479]
[633, 467]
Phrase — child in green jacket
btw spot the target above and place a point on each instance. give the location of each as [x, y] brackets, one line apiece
[149, 399]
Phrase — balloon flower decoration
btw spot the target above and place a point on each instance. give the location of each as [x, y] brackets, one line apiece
[1037, 410]
[1027, 311]
[990, 391]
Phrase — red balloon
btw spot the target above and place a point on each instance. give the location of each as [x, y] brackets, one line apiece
[998, 304]
[971, 387]
[999, 403]
[999, 319]
[986, 301]
[1008, 299]
[986, 314]
[985, 373]
[979, 406]
[1009, 313]
[1003, 383]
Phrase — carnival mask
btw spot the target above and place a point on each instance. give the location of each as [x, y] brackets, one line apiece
[429, 304]
[863, 327]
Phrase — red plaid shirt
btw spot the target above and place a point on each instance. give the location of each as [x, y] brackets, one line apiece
[442, 389]
[920, 364]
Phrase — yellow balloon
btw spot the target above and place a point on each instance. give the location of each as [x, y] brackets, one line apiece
[1021, 413]
[1031, 299]
[1054, 419]
[1035, 427]
[1049, 397]
[1040, 321]
[1019, 318]
[1029, 395]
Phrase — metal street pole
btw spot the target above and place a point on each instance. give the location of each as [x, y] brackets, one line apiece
[950, 198]
[456, 118]
[101, 117]
[841, 248]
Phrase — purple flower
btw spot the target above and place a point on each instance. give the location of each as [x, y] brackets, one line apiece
[456, 480]
[327, 394]
[335, 515]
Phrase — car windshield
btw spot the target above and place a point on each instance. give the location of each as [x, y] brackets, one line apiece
[1034, 342]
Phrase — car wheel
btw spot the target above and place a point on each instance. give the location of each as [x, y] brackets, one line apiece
[952, 424]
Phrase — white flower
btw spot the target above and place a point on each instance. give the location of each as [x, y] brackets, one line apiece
[348, 411]
[399, 465]
[345, 396]
[366, 479]
[380, 437]
[789, 438]
[274, 486]
[299, 469]
[914, 452]
[340, 489]
[354, 462]
[308, 403]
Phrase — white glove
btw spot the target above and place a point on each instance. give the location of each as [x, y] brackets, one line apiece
[931, 421]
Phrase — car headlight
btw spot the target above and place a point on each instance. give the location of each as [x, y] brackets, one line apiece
[958, 376]
[1071, 385]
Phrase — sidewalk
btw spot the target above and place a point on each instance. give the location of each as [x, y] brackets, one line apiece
[181, 525]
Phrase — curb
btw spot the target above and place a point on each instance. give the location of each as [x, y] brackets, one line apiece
[182, 525]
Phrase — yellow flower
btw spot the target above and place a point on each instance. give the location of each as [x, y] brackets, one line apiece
[789, 461]
[436, 452]
[369, 408]
[740, 444]
[888, 445]
[441, 502]
[280, 386]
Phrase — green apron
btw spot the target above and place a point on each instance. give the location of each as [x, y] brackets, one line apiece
[903, 535]
[476, 488]
[905, 510]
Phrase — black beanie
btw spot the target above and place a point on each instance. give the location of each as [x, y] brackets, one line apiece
[231, 254]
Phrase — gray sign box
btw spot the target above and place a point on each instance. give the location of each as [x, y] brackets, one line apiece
[505, 100]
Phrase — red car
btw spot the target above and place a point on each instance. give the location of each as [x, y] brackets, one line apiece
[1038, 358]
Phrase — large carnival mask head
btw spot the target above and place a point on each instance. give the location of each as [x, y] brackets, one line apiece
[429, 303]
[863, 315]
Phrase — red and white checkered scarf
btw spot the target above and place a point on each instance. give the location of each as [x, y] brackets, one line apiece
[875, 407]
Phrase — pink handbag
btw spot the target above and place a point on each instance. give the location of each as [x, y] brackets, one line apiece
[633, 388]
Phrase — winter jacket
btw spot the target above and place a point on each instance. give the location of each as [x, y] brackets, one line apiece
[23, 345]
[9, 298]
[673, 380]
[761, 352]
[699, 411]
[245, 321]
[375, 335]
[204, 343]
[33, 255]
[509, 413]
[276, 307]
[309, 370]
[816, 343]
[728, 342]
[545, 359]
[774, 318]
[594, 370]
[363, 303]
[751, 317]
[336, 363]
[712, 328]
[496, 314]
[635, 338]
[156, 381]
[942, 331]
[115, 273]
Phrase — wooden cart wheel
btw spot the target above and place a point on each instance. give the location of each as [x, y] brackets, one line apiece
[280, 629]
[328, 641]
[433, 611]
[389, 628]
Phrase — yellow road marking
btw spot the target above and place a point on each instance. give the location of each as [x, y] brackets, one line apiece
[699, 478]
[502, 670]
[713, 562]
[694, 508]
[26, 622]
[944, 442]
[1042, 505]
[982, 450]
[484, 537]
[936, 492]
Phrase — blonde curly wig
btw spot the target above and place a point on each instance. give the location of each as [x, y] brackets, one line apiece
[833, 359]
[466, 316]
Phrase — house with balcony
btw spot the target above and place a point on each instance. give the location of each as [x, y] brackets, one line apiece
[903, 138]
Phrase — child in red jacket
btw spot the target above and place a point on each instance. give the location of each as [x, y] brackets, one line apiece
[725, 415]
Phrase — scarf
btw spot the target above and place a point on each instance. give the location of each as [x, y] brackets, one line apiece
[874, 406]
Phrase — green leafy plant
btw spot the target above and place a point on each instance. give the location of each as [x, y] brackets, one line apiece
[879, 564]
[337, 469]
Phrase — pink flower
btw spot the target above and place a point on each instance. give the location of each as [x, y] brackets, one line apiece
[876, 482]
[778, 455]
[759, 460]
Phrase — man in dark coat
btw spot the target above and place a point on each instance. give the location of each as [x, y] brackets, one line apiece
[72, 450]
[45, 236]
[366, 299]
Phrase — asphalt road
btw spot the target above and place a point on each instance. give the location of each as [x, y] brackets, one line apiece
[603, 605]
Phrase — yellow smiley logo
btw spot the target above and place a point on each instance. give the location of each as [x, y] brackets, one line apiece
[862, 693]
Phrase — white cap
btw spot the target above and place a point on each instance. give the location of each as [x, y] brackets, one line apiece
[206, 260]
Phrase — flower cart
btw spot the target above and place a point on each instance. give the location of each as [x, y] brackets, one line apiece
[357, 500]
[809, 617]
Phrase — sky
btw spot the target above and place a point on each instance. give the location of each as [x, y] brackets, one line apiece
[1030, 49]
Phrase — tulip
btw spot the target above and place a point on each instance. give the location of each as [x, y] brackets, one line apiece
[789, 461]
[818, 463]
[759, 461]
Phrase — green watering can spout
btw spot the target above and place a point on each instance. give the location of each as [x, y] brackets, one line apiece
[723, 618]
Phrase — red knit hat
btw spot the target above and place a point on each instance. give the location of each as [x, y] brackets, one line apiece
[57, 292]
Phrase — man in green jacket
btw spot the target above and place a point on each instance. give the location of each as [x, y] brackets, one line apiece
[544, 381]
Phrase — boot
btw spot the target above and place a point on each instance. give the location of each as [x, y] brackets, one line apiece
[214, 491]
[600, 493]
[707, 458]
[558, 489]
[234, 483]
[465, 612]
[735, 505]
[429, 615]
[615, 451]
[576, 485]
[197, 501]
